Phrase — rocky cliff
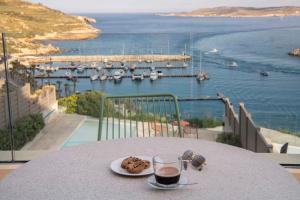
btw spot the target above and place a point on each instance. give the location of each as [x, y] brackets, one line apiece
[27, 24]
[295, 52]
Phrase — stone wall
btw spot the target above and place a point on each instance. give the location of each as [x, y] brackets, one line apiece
[24, 103]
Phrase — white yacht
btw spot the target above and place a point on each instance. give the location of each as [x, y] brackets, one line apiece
[108, 65]
[169, 65]
[118, 75]
[103, 75]
[94, 77]
[80, 69]
[202, 76]
[232, 64]
[99, 68]
[153, 76]
[137, 77]
[94, 64]
[185, 64]
[69, 74]
[214, 50]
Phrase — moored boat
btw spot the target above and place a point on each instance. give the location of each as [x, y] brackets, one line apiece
[118, 75]
[94, 77]
[132, 67]
[94, 64]
[69, 75]
[137, 77]
[214, 50]
[168, 65]
[153, 76]
[108, 65]
[80, 69]
[160, 73]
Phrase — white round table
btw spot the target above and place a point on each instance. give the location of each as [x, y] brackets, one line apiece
[83, 172]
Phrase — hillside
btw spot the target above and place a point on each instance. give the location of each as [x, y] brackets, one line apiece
[28, 23]
[239, 12]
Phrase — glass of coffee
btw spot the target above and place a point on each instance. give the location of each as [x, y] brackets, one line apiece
[167, 169]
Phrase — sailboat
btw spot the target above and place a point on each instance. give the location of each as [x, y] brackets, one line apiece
[201, 76]
[103, 75]
[185, 64]
[168, 65]
[69, 75]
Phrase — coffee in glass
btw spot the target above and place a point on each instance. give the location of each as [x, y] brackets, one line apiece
[166, 171]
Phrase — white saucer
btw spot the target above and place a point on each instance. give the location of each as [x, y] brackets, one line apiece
[115, 166]
[152, 182]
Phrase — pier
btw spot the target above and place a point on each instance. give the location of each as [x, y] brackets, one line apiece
[119, 67]
[125, 76]
[103, 58]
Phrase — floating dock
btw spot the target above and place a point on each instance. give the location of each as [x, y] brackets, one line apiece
[125, 76]
[102, 58]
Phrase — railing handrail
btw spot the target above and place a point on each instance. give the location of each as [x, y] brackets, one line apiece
[168, 95]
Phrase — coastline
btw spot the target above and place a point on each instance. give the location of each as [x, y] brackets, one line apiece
[223, 16]
[35, 45]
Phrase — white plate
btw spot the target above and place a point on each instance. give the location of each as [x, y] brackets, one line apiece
[182, 181]
[115, 166]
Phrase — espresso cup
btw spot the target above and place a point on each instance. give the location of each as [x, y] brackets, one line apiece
[167, 169]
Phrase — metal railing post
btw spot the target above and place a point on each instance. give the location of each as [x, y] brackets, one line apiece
[8, 97]
[101, 117]
[177, 115]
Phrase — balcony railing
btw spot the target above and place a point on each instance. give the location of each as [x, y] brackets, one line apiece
[139, 116]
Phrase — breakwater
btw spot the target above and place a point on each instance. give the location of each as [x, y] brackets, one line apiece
[103, 58]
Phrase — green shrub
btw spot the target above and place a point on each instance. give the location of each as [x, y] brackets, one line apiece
[204, 122]
[24, 130]
[70, 103]
[230, 139]
[88, 103]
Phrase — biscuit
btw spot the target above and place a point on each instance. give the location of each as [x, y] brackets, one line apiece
[147, 164]
[136, 167]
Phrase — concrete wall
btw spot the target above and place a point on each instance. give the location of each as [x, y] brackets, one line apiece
[243, 125]
[24, 103]
[251, 137]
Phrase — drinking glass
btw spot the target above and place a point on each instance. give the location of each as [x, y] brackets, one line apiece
[167, 169]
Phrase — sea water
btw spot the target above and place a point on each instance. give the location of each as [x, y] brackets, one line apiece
[255, 44]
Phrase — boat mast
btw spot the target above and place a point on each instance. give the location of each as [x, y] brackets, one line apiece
[168, 47]
[200, 61]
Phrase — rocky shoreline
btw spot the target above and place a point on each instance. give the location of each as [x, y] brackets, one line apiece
[35, 45]
[30, 30]
[295, 52]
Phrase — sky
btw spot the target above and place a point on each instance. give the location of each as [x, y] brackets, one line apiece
[125, 6]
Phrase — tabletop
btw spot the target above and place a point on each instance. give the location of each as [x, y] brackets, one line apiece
[83, 172]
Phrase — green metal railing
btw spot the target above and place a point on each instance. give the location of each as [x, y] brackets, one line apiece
[139, 116]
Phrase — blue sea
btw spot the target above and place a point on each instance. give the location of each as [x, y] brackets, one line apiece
[255, 44]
